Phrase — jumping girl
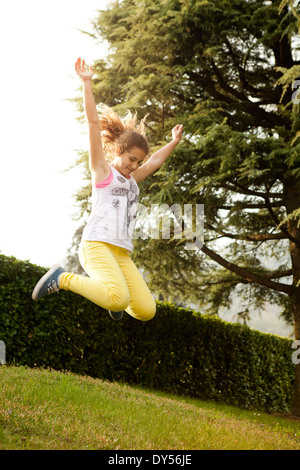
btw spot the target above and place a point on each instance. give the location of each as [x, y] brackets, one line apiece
[113, 280]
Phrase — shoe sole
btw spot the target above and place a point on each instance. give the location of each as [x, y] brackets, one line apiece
[42, 281]
[114, 318]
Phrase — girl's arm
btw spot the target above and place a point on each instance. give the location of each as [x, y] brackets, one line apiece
[97, 163]
[159, 157]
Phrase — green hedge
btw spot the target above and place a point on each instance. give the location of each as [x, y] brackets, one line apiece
[179, 351]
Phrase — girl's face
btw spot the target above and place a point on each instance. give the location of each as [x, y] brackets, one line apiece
[127, 162]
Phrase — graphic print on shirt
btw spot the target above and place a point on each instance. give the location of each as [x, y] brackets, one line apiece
[125, 198]
[114, 207]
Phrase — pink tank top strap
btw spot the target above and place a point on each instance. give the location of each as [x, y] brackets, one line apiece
[105, 182]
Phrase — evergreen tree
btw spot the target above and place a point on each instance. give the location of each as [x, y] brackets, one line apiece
[228, 71]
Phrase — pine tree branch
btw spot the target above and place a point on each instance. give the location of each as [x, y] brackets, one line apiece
[250, 107]
[245, 205]
[243, 280]
[258, 237]
[279, 274]
[266, 196]
[238, 188]
[269, 94]
[277, 221]
[250, 276]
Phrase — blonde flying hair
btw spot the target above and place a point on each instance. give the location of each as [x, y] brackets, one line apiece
[123, 132]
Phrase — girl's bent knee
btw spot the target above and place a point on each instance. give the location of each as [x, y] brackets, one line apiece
[148, 314]
[149, 317]
[119, 304]
[118, 298]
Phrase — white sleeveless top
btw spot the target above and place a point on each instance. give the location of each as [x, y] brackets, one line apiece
[114, 206]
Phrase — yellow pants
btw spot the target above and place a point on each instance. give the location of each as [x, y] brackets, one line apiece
[114, 281]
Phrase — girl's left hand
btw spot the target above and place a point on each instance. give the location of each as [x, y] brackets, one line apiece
[177, 132]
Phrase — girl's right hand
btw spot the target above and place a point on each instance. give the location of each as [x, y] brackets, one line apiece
[82, 71]
[177, 133]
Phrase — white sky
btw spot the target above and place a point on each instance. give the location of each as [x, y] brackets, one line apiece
[40, 42]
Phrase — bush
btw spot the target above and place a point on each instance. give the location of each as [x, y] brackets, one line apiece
[179, 351]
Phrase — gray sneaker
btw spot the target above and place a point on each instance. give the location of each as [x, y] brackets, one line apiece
[48, 283]
[116, 315]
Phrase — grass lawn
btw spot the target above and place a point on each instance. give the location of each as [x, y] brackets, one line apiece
[49, 410]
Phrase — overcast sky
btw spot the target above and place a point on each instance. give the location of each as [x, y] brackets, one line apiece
[40, 42]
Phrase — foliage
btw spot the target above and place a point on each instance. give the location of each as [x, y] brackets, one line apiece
[225, 70]
[179, 351]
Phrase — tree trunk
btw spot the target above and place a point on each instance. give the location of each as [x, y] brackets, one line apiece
[295, 299]
[292, 198]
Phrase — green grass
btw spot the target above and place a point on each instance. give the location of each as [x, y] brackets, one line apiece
[49, 410]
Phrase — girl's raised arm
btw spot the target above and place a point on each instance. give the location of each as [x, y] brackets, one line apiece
[98, 165]
[159, 157]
